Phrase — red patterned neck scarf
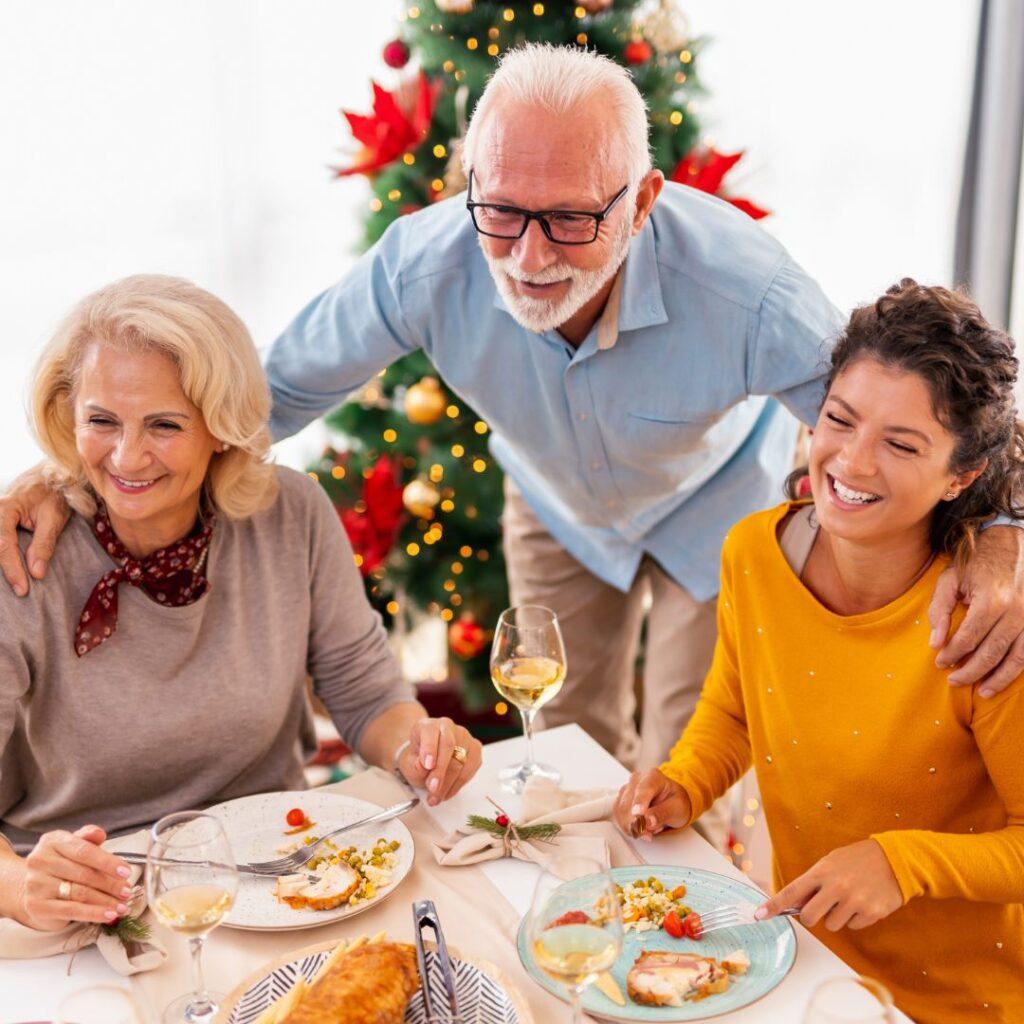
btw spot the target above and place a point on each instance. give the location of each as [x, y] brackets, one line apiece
[172, 576]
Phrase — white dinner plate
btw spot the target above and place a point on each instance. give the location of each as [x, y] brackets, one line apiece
[256, 826]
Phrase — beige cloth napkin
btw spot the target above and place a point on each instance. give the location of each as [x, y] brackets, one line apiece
[19, 942]
[586, 830]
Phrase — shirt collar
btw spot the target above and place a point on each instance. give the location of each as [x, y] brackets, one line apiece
[635, 300]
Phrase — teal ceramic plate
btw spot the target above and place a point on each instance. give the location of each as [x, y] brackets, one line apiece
[771, 947]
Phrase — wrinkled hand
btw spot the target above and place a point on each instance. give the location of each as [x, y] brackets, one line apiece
[99, 881]
[661, 803]
[989, 645]
[428, 761]
[32, 505]
[851, 887]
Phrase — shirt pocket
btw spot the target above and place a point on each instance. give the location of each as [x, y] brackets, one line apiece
[656, 433]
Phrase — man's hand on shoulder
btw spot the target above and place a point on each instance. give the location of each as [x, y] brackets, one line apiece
[32, 504]
[988, 647]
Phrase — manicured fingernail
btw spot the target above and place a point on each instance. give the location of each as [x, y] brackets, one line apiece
[636, 809]
[428, 762]
[434, 784]
[122, 908]
[433, 801]
[126, 892]
[760, 914]
[38, 568]
[109, 915]
[20, 590]
[123, 871]
[652, 821]
[986, 692]
[934, 639]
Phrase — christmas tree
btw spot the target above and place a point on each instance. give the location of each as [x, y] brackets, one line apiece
[416, 488]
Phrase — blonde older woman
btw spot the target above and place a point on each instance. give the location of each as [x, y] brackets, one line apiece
[162, 664]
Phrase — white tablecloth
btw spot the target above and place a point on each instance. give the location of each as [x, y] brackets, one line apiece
[31, 990]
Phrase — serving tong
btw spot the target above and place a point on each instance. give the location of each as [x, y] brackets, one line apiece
[424, 915]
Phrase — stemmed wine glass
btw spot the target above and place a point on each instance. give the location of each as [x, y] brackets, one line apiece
[850, 1000]
[575, 925]
[527, 669]
[191, 881]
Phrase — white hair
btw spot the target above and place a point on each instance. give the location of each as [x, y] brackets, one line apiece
[562, 79]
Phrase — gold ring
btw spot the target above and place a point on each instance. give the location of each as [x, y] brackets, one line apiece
[460, 754]
[64, 890]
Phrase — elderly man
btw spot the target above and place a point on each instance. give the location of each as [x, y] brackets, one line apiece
[638, 405]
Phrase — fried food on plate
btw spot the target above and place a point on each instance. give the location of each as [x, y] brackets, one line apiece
[368, 985]
[669, 979]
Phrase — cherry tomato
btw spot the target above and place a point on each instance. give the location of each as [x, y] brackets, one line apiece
[571, 917]
[295, 817]
[693, 926]
[673, 925]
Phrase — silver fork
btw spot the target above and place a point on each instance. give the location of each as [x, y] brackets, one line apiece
[293, 861]
[735, 915]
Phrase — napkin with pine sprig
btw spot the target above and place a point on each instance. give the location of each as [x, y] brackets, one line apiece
[552, 823]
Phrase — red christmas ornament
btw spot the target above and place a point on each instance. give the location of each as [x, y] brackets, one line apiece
[396, 54]
[391, 130]
[502, 820]
[637, 52]
[704, 169]
[466, 637]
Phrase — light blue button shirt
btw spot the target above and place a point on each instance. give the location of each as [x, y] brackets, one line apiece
[654, 436]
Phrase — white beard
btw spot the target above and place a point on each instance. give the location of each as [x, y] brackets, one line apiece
[540, 315]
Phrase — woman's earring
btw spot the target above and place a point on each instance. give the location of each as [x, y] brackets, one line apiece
[950, 495]
[224, 447]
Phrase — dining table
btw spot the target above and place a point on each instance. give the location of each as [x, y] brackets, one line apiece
[479, 905]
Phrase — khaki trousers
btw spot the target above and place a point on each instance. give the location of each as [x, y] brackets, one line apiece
[601, 627]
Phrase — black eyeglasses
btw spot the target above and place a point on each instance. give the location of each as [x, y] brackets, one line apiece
[564, 227]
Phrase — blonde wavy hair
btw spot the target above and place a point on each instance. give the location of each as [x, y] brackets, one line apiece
[218, 370]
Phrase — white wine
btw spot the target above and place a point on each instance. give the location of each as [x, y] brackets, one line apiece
[528, 682]
[575, 954]
[193, 909]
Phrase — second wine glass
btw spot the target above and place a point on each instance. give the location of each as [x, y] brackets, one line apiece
[527, 669]
[575, 925]
[191, 881]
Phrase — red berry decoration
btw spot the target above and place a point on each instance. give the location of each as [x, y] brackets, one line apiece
[396, 54]
[637, 52]
[295, 817]
[502, 820]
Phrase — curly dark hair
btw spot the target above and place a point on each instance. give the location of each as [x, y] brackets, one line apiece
[970, 370]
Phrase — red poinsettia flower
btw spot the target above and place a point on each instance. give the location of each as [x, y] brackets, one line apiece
[372, 533]
[392, 129]
[705, 169]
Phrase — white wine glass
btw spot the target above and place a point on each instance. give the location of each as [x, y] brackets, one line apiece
[527, 669]
[191, 881]
[99, 1004]
[850, 1000]
[575, 925]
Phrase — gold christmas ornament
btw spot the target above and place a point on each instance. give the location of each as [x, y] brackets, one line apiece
[419, 497]
[666, 28]
[594, 6]
[454, 6]
[425, 402]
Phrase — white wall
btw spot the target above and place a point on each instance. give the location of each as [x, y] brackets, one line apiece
[192, 138]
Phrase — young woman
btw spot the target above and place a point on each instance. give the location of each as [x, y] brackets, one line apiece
[895, 802]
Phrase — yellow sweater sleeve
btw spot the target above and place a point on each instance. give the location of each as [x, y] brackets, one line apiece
[714, 751]
[987, 866]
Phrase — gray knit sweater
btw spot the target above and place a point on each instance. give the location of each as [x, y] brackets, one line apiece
[184, 707]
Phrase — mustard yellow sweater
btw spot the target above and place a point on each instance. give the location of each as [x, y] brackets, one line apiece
[854, 733]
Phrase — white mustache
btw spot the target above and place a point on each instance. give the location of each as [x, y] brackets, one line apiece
[549, 275]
